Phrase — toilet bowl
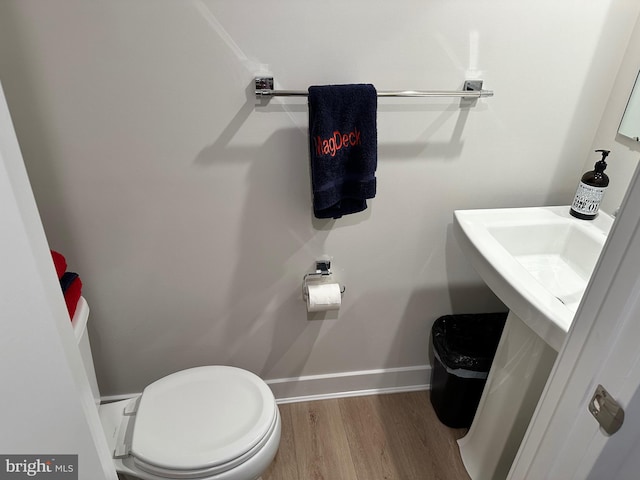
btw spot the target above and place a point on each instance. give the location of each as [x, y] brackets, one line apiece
[204, 423]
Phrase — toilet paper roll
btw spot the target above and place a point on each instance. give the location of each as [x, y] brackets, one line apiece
[323, 297]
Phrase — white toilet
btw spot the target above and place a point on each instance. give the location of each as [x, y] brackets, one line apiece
[203, 423]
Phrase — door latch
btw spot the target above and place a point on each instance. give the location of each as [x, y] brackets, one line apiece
[606, 411]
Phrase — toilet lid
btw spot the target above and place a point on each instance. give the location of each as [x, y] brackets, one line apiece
[201, 418]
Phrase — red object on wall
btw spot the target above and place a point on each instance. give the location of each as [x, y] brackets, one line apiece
[70, 283]
[60, 263]
[72, 295]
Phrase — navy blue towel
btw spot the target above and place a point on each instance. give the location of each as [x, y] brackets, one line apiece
[344, 148]
[66, 280]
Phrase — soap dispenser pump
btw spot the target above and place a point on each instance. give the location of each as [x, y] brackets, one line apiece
[591, 190]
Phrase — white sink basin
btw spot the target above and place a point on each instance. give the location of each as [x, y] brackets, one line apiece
[537, 260]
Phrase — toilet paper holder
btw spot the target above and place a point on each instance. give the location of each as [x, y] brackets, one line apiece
[322, 274]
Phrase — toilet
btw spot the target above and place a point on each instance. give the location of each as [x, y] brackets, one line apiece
[204, 423]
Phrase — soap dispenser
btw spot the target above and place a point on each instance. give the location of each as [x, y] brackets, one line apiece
[591, 190]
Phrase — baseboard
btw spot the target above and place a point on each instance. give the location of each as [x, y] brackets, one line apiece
[350, 384]
[339, 385]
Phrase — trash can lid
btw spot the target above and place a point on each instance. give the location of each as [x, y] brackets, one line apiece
[468, 341]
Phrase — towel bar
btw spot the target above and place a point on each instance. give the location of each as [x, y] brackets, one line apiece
[471, 89]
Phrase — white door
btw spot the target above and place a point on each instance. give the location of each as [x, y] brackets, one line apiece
[564, 441]
[46, 406]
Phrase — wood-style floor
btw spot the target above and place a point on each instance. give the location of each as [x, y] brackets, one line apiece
[378, 437]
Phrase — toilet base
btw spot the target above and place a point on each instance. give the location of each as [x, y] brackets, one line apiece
[122, 476]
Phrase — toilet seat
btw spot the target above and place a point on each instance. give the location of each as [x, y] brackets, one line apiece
[201, 422]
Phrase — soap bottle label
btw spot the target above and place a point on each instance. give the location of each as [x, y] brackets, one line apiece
[587, 199]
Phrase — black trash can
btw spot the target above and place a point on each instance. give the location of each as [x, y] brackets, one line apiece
[464, 347]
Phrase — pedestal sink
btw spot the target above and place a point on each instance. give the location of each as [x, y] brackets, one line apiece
[538, 261]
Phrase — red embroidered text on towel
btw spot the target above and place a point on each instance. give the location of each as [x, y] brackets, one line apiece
[336, 142]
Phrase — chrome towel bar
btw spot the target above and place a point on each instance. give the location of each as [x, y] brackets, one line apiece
[472, 89]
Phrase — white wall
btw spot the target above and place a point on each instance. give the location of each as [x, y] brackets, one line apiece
[625, 153]
[46, 406]
[186, 208]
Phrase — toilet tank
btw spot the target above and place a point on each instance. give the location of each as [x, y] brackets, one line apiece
[79, 322]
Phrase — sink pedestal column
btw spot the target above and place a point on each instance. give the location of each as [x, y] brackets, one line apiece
[518, 375]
